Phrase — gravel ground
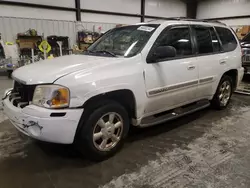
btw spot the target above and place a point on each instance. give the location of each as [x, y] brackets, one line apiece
[206, 149]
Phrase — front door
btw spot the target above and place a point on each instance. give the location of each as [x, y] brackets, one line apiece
[172, 82]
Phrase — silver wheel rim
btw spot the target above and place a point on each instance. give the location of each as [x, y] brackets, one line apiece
[225, 93]
[108, 131]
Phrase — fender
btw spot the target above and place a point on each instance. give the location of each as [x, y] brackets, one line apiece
[83, 86]
[104, 90]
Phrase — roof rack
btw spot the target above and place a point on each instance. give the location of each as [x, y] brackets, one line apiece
[189, 19]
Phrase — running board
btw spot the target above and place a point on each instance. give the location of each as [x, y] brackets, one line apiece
[174, 114]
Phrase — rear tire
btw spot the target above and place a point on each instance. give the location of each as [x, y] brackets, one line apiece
[103, 132]
[223, 93]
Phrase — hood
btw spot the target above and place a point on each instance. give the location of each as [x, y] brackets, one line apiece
[52, 69]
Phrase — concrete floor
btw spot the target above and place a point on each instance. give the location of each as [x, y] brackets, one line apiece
[206, 149]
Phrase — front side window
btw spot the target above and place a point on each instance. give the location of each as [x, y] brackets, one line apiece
[227, 38]
[204, 40]
[125, 41]
[179, 38]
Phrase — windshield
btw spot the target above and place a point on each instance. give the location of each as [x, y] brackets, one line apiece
[125, 41]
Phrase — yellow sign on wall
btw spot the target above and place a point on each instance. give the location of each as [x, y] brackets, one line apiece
[44, 46]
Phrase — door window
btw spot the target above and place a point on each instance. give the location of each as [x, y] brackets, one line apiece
[215, 41]
[179, 38]
[228, 40]
[204, 40]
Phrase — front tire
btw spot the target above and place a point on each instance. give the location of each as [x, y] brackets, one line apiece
[102, 134]
[223, 94]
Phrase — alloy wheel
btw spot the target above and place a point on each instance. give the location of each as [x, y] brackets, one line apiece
[225, 93]
[108, 131]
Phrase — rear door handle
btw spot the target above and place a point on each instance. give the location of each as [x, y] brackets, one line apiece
[191, 67]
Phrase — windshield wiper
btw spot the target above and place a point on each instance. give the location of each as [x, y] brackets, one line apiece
[105, 52]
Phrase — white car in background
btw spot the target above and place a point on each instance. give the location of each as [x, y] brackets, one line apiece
[139, 75]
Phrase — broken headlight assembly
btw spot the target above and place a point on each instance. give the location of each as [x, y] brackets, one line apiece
[51, 96]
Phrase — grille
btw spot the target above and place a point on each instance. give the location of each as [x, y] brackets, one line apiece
[22, 94]
[246, 56]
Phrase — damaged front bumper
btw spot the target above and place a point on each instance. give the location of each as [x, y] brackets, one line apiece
[37, 122]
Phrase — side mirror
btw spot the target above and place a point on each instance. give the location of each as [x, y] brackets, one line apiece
[162, 52]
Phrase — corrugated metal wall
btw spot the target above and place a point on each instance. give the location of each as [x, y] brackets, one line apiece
[222, 8]
[10, 26]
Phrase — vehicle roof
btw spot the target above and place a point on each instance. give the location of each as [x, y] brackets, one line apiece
[187, 21]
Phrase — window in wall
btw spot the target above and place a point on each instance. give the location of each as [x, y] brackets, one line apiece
[179, 38]
[215, 41]
[204, 40]
[228, 40]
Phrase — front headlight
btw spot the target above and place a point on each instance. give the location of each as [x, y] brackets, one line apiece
[51, 96]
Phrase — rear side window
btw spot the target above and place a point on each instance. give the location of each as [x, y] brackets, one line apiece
[204, 40]
[227, 38]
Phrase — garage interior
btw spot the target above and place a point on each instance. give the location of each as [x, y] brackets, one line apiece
[206, 149]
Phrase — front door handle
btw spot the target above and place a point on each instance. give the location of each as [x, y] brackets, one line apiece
[191, 67]
[223, 62]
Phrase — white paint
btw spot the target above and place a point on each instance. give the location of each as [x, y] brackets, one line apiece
[196, 165]
[166, 8]
[43, 130]
[222, 8]
[91, 17]
[61, 3]
[24, 12]
[160, 75]
[89, 76]
[123, 6]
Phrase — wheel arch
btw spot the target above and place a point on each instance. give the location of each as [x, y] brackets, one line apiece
[125, 97]
[233, 73]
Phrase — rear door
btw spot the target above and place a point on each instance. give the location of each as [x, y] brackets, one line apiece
[209, 59]
[231, 50]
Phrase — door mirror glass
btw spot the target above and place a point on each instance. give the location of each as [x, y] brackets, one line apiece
[163, 52]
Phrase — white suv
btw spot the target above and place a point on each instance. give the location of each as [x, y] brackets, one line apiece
[139, 75]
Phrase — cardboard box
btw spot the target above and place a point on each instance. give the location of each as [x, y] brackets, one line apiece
[26, 44]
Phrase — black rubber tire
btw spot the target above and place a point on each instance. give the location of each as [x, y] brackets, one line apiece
[84, 140]
[216, 101]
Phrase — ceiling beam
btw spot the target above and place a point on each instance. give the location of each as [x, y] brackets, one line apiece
[78, 10]
[191, 9]
[142, 10]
